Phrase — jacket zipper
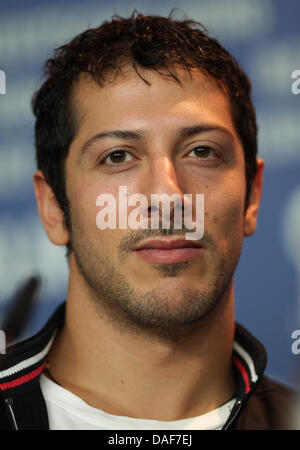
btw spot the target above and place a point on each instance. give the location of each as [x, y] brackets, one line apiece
[234, 413]
[8, 404]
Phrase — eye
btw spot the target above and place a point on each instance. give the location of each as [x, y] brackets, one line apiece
[203, 152]
[117, 157]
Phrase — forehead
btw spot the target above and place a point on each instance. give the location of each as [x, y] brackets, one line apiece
[162, 104]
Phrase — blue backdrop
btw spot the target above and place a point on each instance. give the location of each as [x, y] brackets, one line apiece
[264, 35]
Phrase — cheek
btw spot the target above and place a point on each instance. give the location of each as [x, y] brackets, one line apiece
[224, 209]
[85, 210]
[83, 198]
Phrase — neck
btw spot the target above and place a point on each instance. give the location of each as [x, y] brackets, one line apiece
[130, 374]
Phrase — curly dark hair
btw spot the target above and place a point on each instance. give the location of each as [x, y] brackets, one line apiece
[157, 43]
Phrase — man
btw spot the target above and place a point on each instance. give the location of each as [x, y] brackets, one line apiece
[146, 338]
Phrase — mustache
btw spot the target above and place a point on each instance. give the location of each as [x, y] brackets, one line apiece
[132, 239]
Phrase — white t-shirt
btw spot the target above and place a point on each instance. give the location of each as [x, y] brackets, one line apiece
[66, 411]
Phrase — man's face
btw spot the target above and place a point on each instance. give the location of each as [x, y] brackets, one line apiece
[167, 155]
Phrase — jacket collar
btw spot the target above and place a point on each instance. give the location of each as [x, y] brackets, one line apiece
[25, 361]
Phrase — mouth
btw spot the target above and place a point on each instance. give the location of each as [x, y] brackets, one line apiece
[168, 252]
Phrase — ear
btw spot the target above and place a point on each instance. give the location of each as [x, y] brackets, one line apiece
[250, 220]
[50, 212]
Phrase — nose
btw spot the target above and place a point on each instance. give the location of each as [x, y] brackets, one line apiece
[165, 190]
[163, 177]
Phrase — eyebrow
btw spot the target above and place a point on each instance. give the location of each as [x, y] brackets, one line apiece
[140, 135]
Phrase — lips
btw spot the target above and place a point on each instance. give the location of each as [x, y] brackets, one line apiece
[162, 251]
[168, 245]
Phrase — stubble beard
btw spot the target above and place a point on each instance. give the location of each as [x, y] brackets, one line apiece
[158, 313]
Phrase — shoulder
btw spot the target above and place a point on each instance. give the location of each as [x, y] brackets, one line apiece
[272, 406]
[269, 388]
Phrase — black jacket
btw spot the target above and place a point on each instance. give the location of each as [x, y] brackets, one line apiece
[261, 403]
